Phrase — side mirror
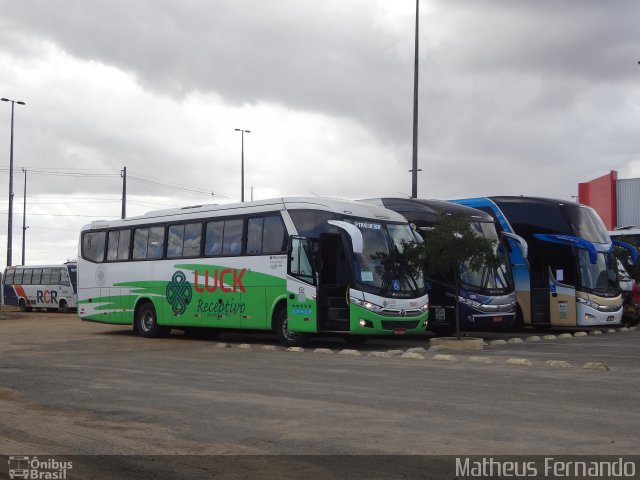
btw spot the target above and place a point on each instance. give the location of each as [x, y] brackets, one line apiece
[522, 243]
[353, 231]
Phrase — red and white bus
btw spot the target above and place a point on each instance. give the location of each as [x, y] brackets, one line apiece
[53, 287]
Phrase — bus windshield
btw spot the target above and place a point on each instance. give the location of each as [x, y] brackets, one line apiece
[382, 266]
[585, 223]
[599, 278]
[488, 279]
[73, 276]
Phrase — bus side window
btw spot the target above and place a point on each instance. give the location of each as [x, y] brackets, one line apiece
[8, 277]
[274, 239]
[64, 277]
[17, 278]
[148, 243]
[232, 240]
[55, 276]
[254, 235]
[156, 243]
[112, 245]
[266, 235]
[118, 245]
[175, 241]
[37, 276]
[140, 240]
[26, 278]
[192, 240]
[46, 276]
[213, 238]
[123, 245]
[93, 244]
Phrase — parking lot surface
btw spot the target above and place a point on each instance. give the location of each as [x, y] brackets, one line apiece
[69, 387]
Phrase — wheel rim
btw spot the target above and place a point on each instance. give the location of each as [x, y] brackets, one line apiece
[286, 333]
[146, 320]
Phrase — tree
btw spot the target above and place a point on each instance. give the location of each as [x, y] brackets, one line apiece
[451, 245]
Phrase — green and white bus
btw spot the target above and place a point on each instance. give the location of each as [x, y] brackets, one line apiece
[298, 266]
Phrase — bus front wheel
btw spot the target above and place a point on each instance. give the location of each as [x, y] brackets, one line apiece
[147, 322]
[286, 336]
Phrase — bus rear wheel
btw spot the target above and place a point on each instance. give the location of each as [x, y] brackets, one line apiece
[23, 305]
[63, 307]
[147, 322]
[286, 336]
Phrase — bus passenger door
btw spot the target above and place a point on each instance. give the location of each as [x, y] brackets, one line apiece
[540, 294]
[562, 308]
[301, 286]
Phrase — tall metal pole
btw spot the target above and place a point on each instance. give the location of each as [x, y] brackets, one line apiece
[124, 192]
[242, 132]
[24, 215]
[414, 164]
[10, 222]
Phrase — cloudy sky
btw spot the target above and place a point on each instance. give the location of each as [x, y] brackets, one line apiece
[516, 97]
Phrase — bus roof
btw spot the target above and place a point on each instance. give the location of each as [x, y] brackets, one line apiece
[428, 211]
[57, 265]
[538, 200]
[341, 206]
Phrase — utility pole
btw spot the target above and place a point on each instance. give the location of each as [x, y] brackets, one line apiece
[414, 164]
[10, 222]
[123, 174]
[24, 214]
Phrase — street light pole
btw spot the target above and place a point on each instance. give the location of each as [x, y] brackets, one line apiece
[242, 132]
[414, 164]
[10, 222]
[24, 215]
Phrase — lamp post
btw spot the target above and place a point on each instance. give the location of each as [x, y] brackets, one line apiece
[242, 132]
[414, 163]
[24, 215]
[10, 222]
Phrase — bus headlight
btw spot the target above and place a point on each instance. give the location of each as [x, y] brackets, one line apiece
[424, 307]
[588, 303]
[372, 307]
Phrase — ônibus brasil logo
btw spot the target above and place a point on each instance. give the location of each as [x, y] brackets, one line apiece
[179, 293]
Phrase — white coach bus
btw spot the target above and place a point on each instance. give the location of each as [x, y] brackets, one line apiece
[298, 266]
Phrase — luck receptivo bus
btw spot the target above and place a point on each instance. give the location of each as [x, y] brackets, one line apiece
[53, 287]
[298, 266]
[570, 278]
[487, 298]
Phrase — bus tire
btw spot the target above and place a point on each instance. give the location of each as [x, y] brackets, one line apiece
[23, 305]
[287, 337]
[147, 322]
[518, 322]
[63, 307]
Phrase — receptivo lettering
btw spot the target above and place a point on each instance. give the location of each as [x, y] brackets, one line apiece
[220, 307]
[227, 280]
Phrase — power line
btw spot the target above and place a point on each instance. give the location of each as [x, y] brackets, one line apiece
[94, 173]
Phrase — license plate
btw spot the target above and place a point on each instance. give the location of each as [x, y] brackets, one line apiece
[400, 331]
[497, 319]
[610, 318]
